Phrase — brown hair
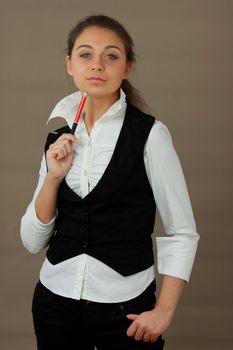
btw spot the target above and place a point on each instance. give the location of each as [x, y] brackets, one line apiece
[132, 94]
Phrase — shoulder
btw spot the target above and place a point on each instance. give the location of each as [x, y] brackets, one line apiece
[140, 122]
[159, 141]
[138, 115]
[160, 131]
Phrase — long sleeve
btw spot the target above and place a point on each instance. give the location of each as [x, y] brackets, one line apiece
[175, 251]
[34, 234]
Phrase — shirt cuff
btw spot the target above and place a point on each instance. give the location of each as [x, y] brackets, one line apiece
[175, 255]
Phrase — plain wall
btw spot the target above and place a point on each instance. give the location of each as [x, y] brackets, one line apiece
[184, 71]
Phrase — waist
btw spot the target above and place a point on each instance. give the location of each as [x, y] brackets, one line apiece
[146, 294]
[84, 277]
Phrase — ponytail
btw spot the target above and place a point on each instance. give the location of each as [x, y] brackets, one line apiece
[133, 95]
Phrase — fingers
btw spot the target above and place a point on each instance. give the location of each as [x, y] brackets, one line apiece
[132, 317]
[153, 338]
[136, 330]
[68, 137]
[146, 337]
[133, 328]
[139, 333]
[139, 330]
[62, 147]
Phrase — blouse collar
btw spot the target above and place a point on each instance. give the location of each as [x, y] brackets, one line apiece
[67, 107]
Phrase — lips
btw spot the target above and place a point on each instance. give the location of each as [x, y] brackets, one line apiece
[96, 79]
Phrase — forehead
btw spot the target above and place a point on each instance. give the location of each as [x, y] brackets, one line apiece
[98, 36]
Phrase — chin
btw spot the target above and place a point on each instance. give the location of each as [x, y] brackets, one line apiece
[101, 93]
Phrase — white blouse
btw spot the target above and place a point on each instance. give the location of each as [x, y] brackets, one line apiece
[84, 277]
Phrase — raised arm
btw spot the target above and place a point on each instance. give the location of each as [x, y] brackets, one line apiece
[37, 225]
[59, 157]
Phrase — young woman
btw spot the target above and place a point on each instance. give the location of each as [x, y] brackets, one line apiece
[94, 207]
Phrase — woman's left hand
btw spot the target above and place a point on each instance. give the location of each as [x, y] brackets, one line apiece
[149, 325]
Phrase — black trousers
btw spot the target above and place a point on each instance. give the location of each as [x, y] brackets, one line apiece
[67, 324]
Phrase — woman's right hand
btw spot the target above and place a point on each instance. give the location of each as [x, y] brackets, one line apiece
[59, 157]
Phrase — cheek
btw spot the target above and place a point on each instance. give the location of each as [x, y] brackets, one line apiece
[123, 69]
[118, 71]
[77, 67]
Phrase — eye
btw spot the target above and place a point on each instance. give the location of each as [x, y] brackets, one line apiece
[111, 56]
[86, 55]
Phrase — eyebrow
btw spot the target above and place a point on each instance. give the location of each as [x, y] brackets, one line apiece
[106, 47]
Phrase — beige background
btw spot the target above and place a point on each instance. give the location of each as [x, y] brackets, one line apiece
[184, 70]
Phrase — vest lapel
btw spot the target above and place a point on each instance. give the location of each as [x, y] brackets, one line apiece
[129, 149]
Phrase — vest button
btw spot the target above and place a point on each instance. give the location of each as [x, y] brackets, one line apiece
[85, 227]
[85, 244]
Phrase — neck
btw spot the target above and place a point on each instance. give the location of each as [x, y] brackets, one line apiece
[95, 107]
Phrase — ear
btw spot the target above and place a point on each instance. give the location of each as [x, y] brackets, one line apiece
[68, 66]
[128, 69]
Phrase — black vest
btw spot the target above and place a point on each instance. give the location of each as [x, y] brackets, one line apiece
[114, 222]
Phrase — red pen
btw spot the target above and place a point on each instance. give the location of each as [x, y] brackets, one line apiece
[78, 114]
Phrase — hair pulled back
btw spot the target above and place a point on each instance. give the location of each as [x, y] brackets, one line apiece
[102, 21]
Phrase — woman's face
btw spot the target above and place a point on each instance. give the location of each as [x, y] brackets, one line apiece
[98, 62]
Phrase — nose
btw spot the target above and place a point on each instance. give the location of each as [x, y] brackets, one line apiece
[97, 65]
